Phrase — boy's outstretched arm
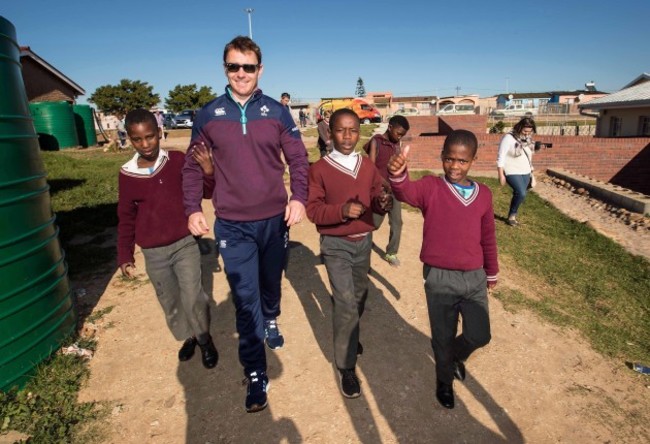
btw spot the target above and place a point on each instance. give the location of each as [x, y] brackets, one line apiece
[372, 150]
[397, 163]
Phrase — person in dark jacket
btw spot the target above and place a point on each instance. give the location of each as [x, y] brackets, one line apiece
[250, 135]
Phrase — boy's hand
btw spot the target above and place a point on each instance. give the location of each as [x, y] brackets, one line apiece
[386, 199]
[197, 224]
[128, 269]
[353, 210]
[491, 285]
[397, 163]
[203, 157]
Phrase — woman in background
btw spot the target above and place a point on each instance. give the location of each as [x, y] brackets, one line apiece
[514, 163]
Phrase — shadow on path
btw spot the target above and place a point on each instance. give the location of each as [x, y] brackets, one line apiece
[215, 398]
[397, 368]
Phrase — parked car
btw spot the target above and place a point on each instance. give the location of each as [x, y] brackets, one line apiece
[456, 109]
[406, 111]
[514, 110]
[169, 121]
[185, 119]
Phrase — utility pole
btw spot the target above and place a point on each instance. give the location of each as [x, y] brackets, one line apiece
[507, 85]
[457, 90]
[249, 11]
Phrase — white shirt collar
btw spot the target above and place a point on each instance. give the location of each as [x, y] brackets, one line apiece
[347, 160]
[132, 165]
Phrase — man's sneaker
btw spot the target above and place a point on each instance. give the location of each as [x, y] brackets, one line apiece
[350, 386]
[272, 336]
[392, 259]
[258, 386]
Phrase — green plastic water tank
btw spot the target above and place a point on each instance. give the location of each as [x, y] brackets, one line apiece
[54, 123]
[36, 307]
[85, 123]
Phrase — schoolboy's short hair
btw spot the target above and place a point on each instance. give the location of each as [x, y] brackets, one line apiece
[400, 121]
[461, 137]
[287, 95]
[243, 44]
[341, 112]
[139, 115]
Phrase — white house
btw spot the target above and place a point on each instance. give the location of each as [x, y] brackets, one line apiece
[625, 113]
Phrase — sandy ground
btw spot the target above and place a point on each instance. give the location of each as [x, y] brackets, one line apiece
[533, 383]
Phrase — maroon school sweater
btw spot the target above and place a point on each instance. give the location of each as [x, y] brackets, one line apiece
[150, 207]
[458, 234]
[331, 186]
[385, 150]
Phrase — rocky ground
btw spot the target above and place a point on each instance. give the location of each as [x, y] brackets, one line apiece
[631, 230]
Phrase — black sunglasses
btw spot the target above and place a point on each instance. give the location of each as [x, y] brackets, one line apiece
[234, 67]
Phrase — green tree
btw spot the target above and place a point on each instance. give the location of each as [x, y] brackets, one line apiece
[188, 97]
[124, 97]
[361, 90]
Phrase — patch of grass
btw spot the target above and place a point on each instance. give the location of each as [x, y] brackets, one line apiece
[47, 409]
[178, 133]
[597, 287]
[99, 314]
[83, 189]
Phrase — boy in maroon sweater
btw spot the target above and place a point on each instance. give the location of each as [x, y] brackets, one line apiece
[344, 190]
[151, 214]
[459, 253]
[380, 148]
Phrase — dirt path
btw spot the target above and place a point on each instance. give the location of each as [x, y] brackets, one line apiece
[533, 383]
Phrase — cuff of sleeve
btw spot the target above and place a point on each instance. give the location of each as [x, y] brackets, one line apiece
[302, 201]
[190, 211]
[397, 179]
[492, 278]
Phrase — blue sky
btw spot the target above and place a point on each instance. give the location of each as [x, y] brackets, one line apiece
[319, 49]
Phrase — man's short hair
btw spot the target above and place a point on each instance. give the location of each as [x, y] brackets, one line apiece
[400, 121]
[287, 95]
[243, 44]
[139, 115]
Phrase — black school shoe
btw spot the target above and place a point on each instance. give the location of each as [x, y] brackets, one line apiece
[187, 349]
[445, 395]
[459, 370]
[209, 354]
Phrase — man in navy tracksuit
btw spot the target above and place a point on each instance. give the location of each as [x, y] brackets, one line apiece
[248, 135]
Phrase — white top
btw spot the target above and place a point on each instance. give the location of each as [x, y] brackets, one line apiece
[349, 161]
[132, 165]
[511, 156]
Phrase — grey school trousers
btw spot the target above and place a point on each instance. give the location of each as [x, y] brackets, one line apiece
[450, 293]
[175, 272]
[395, 223]
[347, 263]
